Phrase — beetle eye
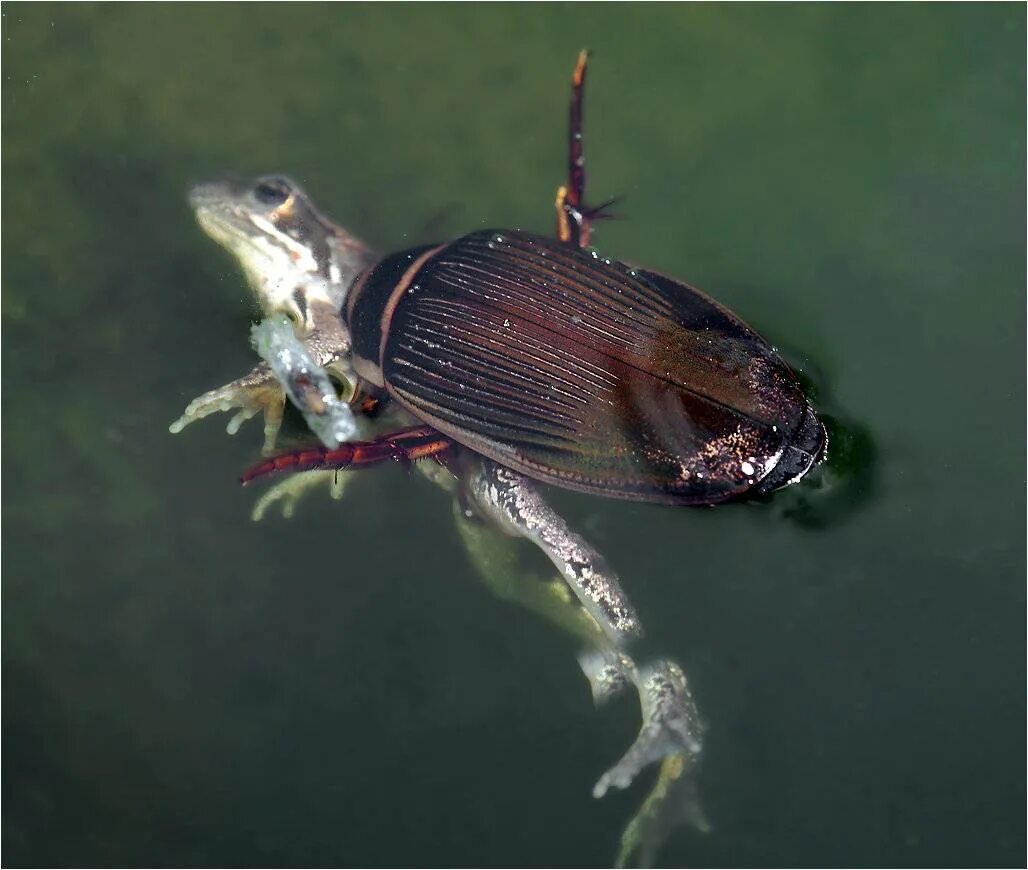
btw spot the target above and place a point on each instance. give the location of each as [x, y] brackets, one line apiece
[272, 191]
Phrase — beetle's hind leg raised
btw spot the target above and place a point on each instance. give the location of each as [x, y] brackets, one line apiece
[574, 217]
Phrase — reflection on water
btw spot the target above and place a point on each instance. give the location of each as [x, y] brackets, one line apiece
[182, 682]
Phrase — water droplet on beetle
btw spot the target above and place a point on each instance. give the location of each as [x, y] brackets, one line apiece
[747, 468]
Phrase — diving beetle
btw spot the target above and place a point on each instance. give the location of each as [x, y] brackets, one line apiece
[568, 367]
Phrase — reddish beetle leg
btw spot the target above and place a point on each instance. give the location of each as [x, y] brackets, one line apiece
[574, 218]
[417, 442]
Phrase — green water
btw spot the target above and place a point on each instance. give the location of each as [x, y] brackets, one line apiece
[183, 686]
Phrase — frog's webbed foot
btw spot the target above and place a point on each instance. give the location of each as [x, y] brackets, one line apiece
[670, 726]
[288, 492]
[251, 394]
[673, 802]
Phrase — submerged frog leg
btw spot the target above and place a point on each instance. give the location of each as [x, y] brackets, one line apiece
[608, 673]
[516, 506]
[287, 493]
[670, 731]
[502, 562]
[672, 802]
[671, 725]
[251, 394]
[499, 561]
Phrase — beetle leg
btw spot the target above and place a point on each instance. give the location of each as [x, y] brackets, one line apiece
[572, 226]
[574, 217]
[510, 500]
[409, 445]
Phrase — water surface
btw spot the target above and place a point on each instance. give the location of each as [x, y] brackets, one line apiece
[183, 686]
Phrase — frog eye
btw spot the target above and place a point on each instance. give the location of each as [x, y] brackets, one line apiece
[272, 191]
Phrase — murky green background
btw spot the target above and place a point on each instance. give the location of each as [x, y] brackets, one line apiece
[183, 686]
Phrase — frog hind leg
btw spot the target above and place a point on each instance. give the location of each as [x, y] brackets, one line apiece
[672, 802]
[671, 731]
[514, 504]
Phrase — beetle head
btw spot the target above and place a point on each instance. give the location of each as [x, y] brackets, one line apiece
[804, 450]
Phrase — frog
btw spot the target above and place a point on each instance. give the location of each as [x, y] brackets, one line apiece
[296, 261]
[299, 264]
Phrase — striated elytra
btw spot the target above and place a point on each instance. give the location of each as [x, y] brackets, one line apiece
[581, 371]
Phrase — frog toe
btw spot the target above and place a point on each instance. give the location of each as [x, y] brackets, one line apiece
[239, 419]
[287, 494]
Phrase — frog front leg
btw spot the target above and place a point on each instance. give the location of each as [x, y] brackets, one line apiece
[260, 390]
[251, 394]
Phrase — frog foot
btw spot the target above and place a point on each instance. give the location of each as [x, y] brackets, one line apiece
[252, 394]
[670, 726]
[289, 491]
[673, 801]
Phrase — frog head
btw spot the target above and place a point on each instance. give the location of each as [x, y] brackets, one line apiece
[296, 260]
